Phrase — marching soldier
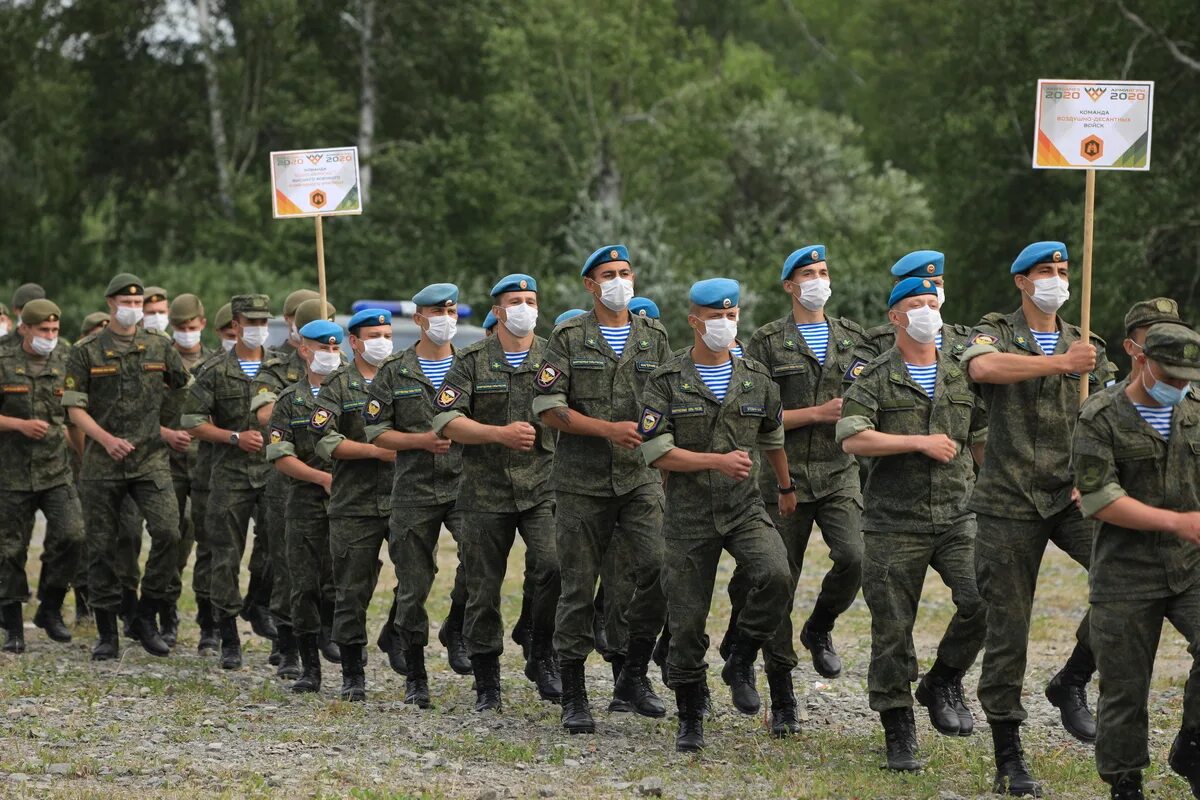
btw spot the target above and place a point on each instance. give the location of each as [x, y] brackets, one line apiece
[25, 293]
[928, 264]
[92, 323]
[289, 350]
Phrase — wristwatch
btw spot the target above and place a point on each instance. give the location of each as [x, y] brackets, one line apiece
[791, 489]
[233, 438]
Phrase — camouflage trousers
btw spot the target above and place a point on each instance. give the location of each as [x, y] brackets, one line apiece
[840, 519]
[689, 576]
[63, 542]
[230, 510]
[310, 568]
[354, 544]
[415, 532]
[894, 568]
[1008, 555]
[487, 539]
[1125, 635]
[585, 527]
[101, 500]
[275, 525]
[129, 536]
[202, 569]
[618, 579]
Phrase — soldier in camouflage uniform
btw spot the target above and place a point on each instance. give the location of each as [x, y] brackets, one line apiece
[1135, 464]
[1027, 366]
[218, 411]
[24, 294]
[122, 385]
[6, 321]
[36, 475]
[590, 391]
[361, 499]
[399, 417]
[703, 413]
[911, 411]
[486, 404]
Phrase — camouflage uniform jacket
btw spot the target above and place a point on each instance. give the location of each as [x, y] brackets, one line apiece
[361, 487]
[221, 394]
[28, 465]
[290, 435]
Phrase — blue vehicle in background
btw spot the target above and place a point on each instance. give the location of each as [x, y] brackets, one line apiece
[405, 332]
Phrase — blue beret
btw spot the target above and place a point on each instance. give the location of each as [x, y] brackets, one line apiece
[1039, 253]
[643, 307]
[323, 331]
[610, 252]
[489, 321]
[809, 254]
[715, 293]
[570, 313]
[369, 317]
[517, 282]
[920, 264]
[911, 287]
[436, 294]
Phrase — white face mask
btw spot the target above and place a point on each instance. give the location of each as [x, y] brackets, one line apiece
[154, 322]
[43, 347]
[924, 323]
[376, 350]
[294, 334]
[814, 294]
[324, 362]
[520, 320]
[941, 297]
[254, 336]
[1049, 294]
[442, 329]
[227, 344]
[719, 334]
[127, 316]
[3, 329]
[186, 339]
[616, 293]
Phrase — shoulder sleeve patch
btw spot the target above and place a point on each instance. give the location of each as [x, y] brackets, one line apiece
[447, 396]
[856, 369]
[548, 376]
[983, 339]
[651, 419]
[371, 412]
[320, 419]
[276, 436]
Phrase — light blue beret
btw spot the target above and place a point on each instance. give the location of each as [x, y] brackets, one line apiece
[715, 293]
[809, 254]
[911, 287]
[920, 264]
[517, 282]
[610, 252]
[570, 313]
[489, 321]
[369, 317]
[643, 307]
[436, 294]
[323, 331]
[1039, 253]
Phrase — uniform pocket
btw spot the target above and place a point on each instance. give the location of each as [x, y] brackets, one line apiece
[589, 379]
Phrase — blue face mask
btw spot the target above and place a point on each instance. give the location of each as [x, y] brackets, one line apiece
[1164, 393]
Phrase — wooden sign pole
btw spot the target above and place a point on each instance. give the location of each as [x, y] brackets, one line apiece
[1085, 316]
[321, 261]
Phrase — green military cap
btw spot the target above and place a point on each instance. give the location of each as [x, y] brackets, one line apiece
[310, 310]
[35, 312]
[183, 308]
[251, 306]
[224, 317]
[1147, 312]
[293, 301]
[125, 284]
[97, 319]
[155, 294]
[26, 292]
[1176, 348]
[4, 312]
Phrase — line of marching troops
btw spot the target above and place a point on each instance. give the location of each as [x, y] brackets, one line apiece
[625, 464]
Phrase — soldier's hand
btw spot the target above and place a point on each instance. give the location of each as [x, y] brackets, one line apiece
[625, 434]
[117, 449]
[435, 444]
[787, 504]
[250, 441]
[830, 411]
[1187, 526]
[1077, 498]
[940, 447]
[736, 465]
[518, 436]
[326, 483]
[177, 440]
[388, 456]
[1080, 358]
[35, 429]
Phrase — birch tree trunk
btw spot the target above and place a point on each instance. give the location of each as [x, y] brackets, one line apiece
[366, 114]
[216, 119]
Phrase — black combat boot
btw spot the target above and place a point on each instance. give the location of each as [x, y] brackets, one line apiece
[49, 614]
[289, 654]
[1067, 691]
[726, 646]
[618, 705]
[416, 685]
[14, 626]
[900, 735]
[145, 628]
[127, 611]
[689, 702]
[599, 624]
[108, 644]
[576, 714]
[256, 608]
[542, 667]
[817, 637]
[168, 622]
[1129, 787]
[784, 719]
[1185, 757]
[966, 720]
[661, 648]
[276, 656]
[231, 644]
[310, 660]
[451, 637]
[738, 674]
[1012, 773]
[487, 682]
[354, 678]
[389, 643]
[329, 648]
[210, 641]
[83, 611]
[633, 686]
[936, 693]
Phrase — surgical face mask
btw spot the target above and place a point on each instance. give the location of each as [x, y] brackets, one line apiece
[127, 316]
[154, 322]
[1164, 393]
[42, 346]
[227, 344]
[324, 362]
[376, 350]
[616, 293]
[719, 334]
[941, 293]
[442, 328]
[520, 320]
[186, 339]
[924, 324]
[1049, 294]
[294, 333]
[814, 294]
[3, 329]
[254, 336]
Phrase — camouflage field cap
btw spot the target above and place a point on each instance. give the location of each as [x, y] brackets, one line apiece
[251, 306]
[1175, 348]
[1147, 312]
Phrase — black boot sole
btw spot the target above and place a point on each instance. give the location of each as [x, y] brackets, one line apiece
[999, 787]
[1058, 703]
[923, 697]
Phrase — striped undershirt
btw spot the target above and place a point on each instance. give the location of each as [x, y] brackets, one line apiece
[938, 340]
[616, 337]
[816, 334]
[923, 376]
[1047, 341]
[716, 378]
[316, 390]
[250, 368]
[515, 359]
[1157, 417]
[436, 370]
[736, 350]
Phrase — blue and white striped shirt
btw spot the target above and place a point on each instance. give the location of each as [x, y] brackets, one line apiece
[717, 378]
[816, 334]
[923, 376]
[736, 349]
[616, 337]
[1046, 341]
[1157, 417]
[938, 340]
[436, 370]
[316, 390]
[515, 359]
[250, 368]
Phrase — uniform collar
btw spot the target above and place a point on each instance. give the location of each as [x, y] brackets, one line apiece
[742, 379]
[494, 352]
